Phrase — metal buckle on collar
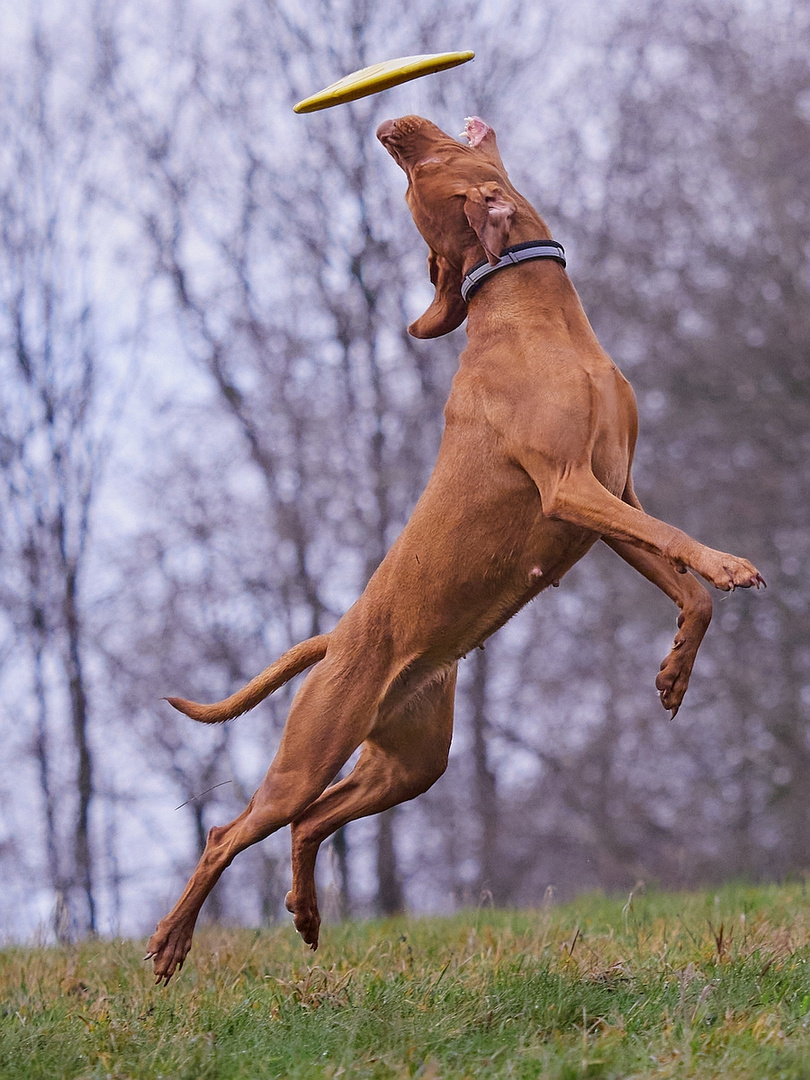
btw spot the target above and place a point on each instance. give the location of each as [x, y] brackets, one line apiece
[518, 253]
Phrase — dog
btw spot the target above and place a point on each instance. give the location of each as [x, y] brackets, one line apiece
[533, 469]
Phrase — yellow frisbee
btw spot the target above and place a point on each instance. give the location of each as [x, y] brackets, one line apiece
[371, 80]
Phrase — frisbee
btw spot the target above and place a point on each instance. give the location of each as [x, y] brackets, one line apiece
[371, 80]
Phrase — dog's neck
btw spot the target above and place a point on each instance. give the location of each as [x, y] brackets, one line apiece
[537, 296]
[517, 253]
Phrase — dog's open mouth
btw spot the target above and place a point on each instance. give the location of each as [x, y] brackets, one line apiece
[475, 131]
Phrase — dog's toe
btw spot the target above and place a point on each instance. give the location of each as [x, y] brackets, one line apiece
[168, 948]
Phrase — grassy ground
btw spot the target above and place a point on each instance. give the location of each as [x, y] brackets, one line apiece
[698, 985]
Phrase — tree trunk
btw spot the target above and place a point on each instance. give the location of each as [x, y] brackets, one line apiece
[82, 854]
[42, 754]
[389, 887]
[486, 796]
[340, 846]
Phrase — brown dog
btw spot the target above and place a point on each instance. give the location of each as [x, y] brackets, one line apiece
[533, 469]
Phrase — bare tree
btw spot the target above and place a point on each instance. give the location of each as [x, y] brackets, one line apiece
[51, 452]
[689, 212]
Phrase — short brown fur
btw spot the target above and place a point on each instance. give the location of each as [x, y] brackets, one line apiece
[533, 469]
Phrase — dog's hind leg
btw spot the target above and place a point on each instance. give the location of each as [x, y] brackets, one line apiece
[332, 715]
[396, 764]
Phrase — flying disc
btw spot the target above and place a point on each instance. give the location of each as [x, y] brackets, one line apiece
[371, 80]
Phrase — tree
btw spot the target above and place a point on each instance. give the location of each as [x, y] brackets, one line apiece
[686, 207]
[52, 447]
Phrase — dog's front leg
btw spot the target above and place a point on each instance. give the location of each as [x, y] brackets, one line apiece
[695, 603]
[579, 498]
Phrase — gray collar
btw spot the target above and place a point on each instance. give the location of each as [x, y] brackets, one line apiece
[532, 249]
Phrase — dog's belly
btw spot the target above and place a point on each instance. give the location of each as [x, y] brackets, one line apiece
[476, 549]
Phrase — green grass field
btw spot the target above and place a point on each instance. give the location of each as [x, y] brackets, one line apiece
[661, 985]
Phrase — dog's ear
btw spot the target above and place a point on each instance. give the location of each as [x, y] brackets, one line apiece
[448, 309]
[490, 212]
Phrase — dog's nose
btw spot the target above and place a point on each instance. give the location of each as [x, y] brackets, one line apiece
[385, 130]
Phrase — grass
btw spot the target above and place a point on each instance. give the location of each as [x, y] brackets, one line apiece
[660, 985]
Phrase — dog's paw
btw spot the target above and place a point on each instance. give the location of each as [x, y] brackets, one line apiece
[167, 948]
[673, 679]
[729, 572]
[306, 918]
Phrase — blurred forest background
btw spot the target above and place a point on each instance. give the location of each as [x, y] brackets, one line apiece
[213, 424]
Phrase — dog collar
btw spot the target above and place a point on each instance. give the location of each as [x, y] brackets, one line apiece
[518, 253]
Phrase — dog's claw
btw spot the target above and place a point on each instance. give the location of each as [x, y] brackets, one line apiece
[732, 573]
[306, 919]
[671, 709]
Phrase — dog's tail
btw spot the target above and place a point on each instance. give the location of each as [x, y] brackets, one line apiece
[293, 662]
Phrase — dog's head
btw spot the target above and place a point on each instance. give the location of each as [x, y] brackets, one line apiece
[462, 203]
